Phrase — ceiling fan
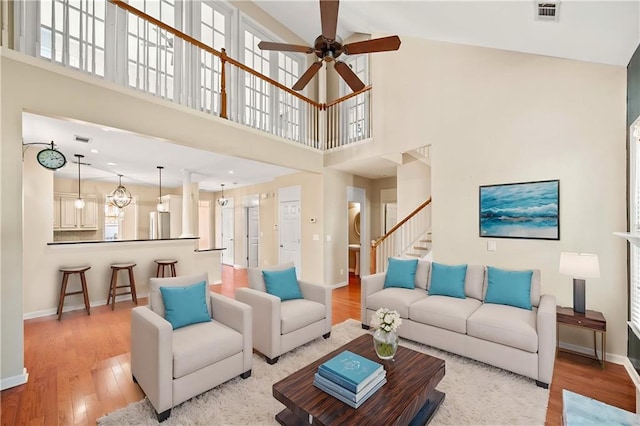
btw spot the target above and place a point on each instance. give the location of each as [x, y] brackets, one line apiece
[328, 47]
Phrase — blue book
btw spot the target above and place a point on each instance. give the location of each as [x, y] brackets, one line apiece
[349, 370]
[355, 397]
[347, 400]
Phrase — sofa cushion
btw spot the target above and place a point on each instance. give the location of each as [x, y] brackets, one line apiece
[447, 280]
[449, 313]
[256, 280]
[199, 345]
[398, 299]
[505, 325]
[298, 313]
[473, 281]
[422, 273]
[511, 288]
[401, 273]
[155, 297]
[186, 305]
[535, 287]
[282, 284]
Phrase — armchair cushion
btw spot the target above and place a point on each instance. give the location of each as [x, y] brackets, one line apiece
[155, 296]
[200, 345]
[185, 305]
[283, 284]
[401, 273]
[295, 314]
[256, 280]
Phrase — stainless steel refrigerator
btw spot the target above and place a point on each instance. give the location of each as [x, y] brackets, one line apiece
[159, 225]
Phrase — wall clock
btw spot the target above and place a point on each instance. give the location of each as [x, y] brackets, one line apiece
[51, 158]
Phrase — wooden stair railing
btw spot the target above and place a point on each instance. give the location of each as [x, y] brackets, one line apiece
[375, 244]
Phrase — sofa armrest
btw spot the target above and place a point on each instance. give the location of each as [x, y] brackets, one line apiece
[546, 328]
[266, 320]
[321, 294]
[369, 284]
[238, 316]
[152, 356]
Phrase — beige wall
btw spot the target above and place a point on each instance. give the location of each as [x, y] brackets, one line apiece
[414, 185]
[377, 186]
[495, 117]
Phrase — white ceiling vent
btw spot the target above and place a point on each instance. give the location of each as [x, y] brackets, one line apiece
[547, 10]
[82, 139]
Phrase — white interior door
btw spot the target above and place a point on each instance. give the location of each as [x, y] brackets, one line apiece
[290, 233]
[253, 236]
[227, 235]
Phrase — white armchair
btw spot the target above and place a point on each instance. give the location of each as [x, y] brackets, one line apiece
[280, 326]
[172, 366]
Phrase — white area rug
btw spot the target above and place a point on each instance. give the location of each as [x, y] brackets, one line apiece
[476, 394]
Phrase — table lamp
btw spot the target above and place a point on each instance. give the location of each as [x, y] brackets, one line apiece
[579, 266]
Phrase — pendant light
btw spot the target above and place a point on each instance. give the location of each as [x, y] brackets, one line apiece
[222, 201]
[160, 206]
[79, 203]
[120, 197]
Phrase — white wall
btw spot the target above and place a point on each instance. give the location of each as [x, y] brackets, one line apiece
[496, 117]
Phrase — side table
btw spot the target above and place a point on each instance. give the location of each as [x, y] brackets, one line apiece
[590, 320]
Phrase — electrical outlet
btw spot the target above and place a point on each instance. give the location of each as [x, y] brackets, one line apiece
[328, 237]
[316, 237]
[341, 271]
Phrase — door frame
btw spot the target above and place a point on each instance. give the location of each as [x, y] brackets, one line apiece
[249, 201]
[231, 253]
[359, 195]
[285, 195]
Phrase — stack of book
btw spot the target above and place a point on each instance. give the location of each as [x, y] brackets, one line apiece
[351, 378]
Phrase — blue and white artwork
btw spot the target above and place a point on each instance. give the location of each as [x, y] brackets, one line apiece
[521, 210]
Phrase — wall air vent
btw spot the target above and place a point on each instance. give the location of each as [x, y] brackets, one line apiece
[82, 139]
[547, 11]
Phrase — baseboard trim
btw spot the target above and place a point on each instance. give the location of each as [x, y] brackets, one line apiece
[614, 358]
[14, 381]
[342, 284]
[69, 308]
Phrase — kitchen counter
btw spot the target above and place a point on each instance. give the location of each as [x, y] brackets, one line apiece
[55, 243]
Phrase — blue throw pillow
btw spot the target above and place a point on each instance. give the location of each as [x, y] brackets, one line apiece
[283, 284]
[447, 280]
[511, 288]
[185, 305]
[401, 273]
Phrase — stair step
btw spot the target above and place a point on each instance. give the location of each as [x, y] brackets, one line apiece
[413, 254]
[426, 241]
[421, 248]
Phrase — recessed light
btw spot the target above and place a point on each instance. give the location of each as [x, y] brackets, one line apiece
[111, 164]
[230, 172]
[95, 151]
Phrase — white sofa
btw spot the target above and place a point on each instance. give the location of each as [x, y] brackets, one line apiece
[172, 366]
[515, 339]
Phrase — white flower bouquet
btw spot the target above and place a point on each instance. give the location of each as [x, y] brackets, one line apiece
[386, 320]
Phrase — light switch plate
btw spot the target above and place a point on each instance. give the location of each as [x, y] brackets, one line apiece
[491, 246]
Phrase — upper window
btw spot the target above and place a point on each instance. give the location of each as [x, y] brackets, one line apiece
[72, 32]
[355, 114]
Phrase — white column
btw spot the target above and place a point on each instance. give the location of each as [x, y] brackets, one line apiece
[187, 205]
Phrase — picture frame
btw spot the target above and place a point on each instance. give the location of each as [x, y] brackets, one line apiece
[526, 210]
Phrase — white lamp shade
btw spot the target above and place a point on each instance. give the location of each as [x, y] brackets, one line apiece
[79, 203]
[579, 265]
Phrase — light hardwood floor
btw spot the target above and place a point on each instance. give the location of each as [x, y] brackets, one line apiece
[79, 367]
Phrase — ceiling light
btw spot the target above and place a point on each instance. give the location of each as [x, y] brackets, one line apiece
[79, 203]
[230, 172]
[120, 197]
[222, 201]
[95, 151]
[111, 164]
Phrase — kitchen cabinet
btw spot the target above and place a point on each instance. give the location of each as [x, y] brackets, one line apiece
[67, 218]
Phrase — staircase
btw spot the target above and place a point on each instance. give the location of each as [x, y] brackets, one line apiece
[411, 237]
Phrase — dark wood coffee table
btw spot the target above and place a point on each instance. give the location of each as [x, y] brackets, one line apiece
[409, 396]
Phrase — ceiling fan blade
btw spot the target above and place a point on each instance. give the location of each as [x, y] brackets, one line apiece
[383, 44]
[329, 18]
[307, 76]
[284, 47]
[349, 76]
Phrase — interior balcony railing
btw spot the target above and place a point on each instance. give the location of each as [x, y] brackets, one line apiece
[401, 238]
[123, 44]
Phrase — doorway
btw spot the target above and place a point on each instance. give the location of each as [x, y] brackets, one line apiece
[358, 232]
[227, 233]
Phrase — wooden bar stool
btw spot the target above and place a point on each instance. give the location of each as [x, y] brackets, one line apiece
[80, 270]
[115, 268]
[167, 262]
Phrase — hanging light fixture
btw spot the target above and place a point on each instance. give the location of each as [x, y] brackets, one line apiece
[79, 203]
[222, 201]
[160, 206]
[120, 197]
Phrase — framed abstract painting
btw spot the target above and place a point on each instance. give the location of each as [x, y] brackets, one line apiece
[528, 210]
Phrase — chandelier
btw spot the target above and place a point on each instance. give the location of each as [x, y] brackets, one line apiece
[120, 197]
[222, 201]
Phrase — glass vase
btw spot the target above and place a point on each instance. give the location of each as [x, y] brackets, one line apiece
[385, 343]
